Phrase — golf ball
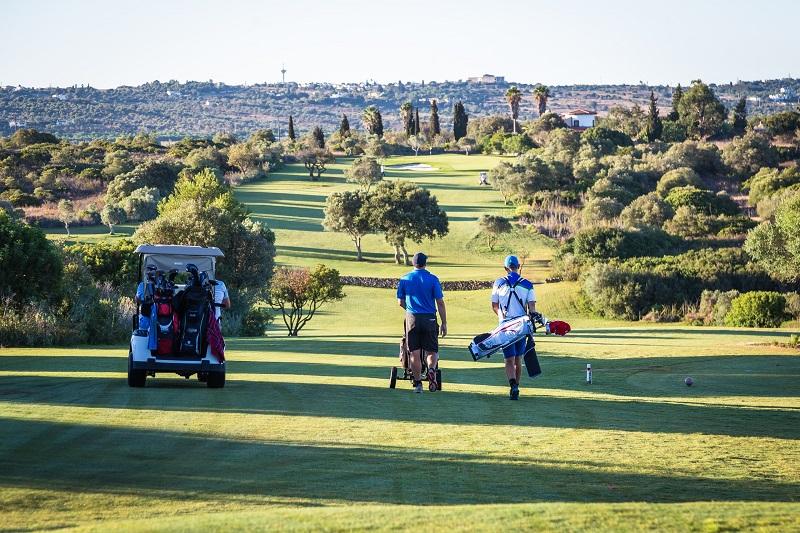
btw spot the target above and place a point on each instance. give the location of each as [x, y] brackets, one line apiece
[689, 381]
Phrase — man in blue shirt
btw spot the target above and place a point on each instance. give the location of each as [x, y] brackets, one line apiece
[513, 296]
[420, 294]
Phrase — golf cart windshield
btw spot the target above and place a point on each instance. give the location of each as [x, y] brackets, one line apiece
[170, 257]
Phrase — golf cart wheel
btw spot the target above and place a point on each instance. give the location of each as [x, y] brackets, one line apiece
[393, 377]
[439, 379]
[216, 380]
[136, 378]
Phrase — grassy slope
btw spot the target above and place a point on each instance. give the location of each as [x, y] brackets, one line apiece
[306, 435]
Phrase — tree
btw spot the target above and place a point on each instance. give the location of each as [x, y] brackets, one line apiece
[417, 128]
[739, 117]
[745, 155]
[404, 211]
[541, 93]
[316, 161]
[347, 212]
[467, 144]
[654, 127]
[373, 122]
[291, 133]
[365, 171]
[701, 111]
[243, 156]
[66, 214]
[299, 293]
[460, 120]
[775, 244]
[344, 127]
[434, 123]
[415, 142]
[111, 215]
[492, 226]
[30, 266]
[677, 94]
[514, 97]
[318, 137]
[648, 210]
[407, 118]
[203, 211]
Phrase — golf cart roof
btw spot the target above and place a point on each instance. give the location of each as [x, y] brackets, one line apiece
[176, 249]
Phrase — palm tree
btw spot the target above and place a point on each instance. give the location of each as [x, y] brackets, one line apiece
[373, 122]
[514, 97]
[541, 93]
[407, 118]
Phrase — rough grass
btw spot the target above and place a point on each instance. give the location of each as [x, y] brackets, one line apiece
[307, 436]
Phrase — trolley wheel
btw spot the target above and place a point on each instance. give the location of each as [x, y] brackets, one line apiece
[393, 377]
[439, 379]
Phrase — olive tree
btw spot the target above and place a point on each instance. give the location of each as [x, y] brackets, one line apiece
[347, 212]
[492, 226]
[404, 211]
[365, 172]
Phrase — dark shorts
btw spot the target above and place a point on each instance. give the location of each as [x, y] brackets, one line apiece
[515, 350]
[422, 332]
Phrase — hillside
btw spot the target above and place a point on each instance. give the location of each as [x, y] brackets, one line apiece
[172, 110]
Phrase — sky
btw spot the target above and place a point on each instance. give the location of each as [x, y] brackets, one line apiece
[110, 43]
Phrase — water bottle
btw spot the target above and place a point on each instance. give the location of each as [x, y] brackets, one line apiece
[588, 374]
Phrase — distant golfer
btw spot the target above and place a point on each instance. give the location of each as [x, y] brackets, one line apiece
[513, 296]
[420, 294]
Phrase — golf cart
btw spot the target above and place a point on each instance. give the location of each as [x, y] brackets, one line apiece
[171, 326]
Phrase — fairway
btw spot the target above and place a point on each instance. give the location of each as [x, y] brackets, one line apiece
[306, 435]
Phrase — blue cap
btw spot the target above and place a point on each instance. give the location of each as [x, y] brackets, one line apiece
[511, 261]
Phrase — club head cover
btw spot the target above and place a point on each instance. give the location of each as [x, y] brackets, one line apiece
[559, 327]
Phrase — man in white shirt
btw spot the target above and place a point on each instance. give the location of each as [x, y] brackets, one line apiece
[513, 296]
[221, 297]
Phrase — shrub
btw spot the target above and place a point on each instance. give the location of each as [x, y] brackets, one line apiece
[599, 210]
[610, 243]
[793, 305]
[745, 155]
[703, 158]
[647, 210]
[30, 266]
[255, 322]
[758, 309]
[689, 223]
[605, 188]
[714, 306]
[630, 289]
[679, 177]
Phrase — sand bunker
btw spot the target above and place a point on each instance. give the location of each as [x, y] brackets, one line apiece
[417, 167]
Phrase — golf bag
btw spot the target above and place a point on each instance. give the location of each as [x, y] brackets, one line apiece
[166, 323]
[194, 308]
[507, 333]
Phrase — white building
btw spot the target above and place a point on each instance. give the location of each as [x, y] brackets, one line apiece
[487, 78]
[580, 118]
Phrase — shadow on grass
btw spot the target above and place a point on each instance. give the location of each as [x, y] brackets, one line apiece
[347, 400]
[180, 466]
[330, 253]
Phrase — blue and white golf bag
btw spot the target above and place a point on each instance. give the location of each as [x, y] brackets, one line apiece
[507, 333]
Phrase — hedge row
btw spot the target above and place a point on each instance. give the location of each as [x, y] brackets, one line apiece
[391, 283]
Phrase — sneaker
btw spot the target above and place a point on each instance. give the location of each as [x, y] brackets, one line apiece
[418, 388]
[433, 385]
[514, 394]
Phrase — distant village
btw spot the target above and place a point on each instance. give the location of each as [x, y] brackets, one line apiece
[174, 109]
